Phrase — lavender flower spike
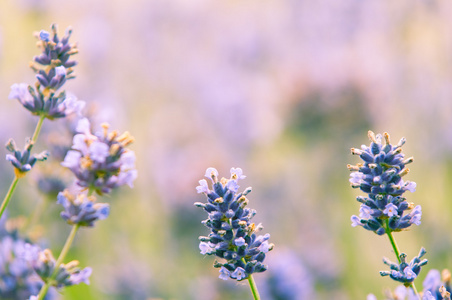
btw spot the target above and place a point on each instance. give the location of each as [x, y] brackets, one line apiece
[23, 161]
[65, 274]
[405, 272]
[101, 161]
[232, 235]
[380, 177]
[82, 209]
[53, 68]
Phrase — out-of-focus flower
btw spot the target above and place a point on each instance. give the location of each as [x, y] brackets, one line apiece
[404, 272]
[101, 161]
[287, 279]
[380, 176]
[68, 274]
[52, 69]
[437, 286]
[23, 161]
[82, 209]
[18, 280]
[233, 237]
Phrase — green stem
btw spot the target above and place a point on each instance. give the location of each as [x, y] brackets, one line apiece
[59, 261]
[12, 188]
[253, 285]
[253, 288]
[397, 253]
[38, 128]
[8, 195]
[36, 214]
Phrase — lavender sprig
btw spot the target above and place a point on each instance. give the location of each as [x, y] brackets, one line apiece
[101, 161]
[52, 69]
[233, 237]
[384, 210]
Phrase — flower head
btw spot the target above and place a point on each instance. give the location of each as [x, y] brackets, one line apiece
[101, 161]
[232, 235]
[18, 279]
[53, 68]
[82, 209]
[405, 272]
[380, 177]
[23, 161]
[66, 274]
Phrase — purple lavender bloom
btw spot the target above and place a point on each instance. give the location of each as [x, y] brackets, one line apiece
[233, 237]
[437, 285]
[380, 177]
[288, 278]
[405, 272]
[52, 69]
[82, 209]
[239, 274]
[206, 248]
[224, 273]
[20, 91]
[390, 210]
[356, 221]
[18, 279]
[55, 50]
[23, 161]
[101, 162]
[66, 274]
[202, 187]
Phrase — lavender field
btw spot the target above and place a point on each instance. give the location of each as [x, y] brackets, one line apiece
[282, 90]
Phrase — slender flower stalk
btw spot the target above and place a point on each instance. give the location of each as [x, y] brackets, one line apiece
[253, 288]
[38, 128]
[64, 251]
[8, 195]
[397, 253]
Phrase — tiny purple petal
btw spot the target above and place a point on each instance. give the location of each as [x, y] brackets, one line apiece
[205, 248]
[202, 187]
[83, 126]
[239, 242]
[410, 186]
[237, 173]
[356, 177]
[82, 276]
[210, 172]
[409, 274]
[44, 36]
[239, 273]
[364, 211]
[72, 159]
[264, 247]
[356, 221]
[232, 186]
[99, 151]
[390, 210]
[224, 273]
[60, 71]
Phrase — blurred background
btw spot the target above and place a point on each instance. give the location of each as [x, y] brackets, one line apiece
[281, 89]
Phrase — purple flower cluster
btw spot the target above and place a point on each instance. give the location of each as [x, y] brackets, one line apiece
[23, 161]
[81, 209]
[405, 272]
[380, 176]
[437, 286]
[233, 237]
[53, 67]
[68, 274]
[18, 280]
[102, 161]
